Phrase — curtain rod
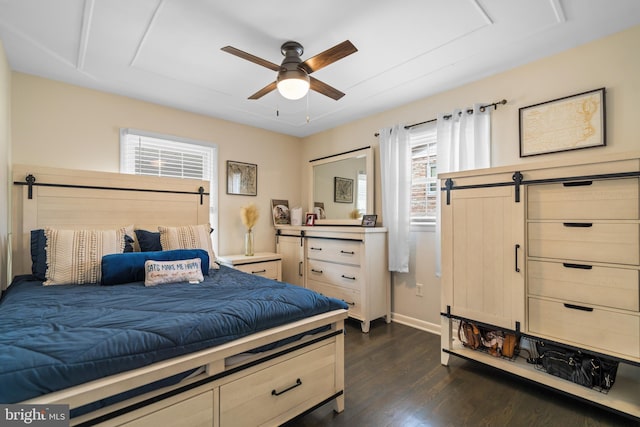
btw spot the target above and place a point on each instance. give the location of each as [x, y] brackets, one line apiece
[447, 117]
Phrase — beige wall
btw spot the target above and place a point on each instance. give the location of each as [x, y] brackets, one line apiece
[611, 62]
[61, 125]
[5, 165]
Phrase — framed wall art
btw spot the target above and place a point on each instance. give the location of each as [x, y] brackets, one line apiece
[342, 190]
[242, 178]
[569, 123]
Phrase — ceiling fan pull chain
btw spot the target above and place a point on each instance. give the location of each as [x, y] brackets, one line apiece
[307, 107]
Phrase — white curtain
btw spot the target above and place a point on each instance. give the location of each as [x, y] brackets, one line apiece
[464, 142]
[395, 168]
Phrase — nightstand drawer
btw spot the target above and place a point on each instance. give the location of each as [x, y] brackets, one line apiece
[606, 330]
[260, 398]
[344, 276]
[588, 199]
[584, 283]
[585, 241]
[268, 269]
[334, 250]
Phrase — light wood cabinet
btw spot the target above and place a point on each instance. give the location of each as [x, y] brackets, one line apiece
[552, 251]
[265, 264]
[347, 263]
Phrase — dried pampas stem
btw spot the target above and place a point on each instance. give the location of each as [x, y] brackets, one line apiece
[249, 215]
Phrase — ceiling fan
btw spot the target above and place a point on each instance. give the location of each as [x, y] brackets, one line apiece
[293, 80]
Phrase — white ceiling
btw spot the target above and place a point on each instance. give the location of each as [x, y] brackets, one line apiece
[168, 51]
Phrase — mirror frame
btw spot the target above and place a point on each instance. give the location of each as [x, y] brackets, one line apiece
[367, 152]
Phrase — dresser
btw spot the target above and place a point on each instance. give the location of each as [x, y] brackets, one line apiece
[265, 264]
[348, 263]
[550, 251]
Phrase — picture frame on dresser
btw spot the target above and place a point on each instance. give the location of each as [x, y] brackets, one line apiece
[569, 123]
[369, 220]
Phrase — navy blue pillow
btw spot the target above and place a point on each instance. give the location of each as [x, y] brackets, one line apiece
[38, 254]
[129, 267]
[149, 241]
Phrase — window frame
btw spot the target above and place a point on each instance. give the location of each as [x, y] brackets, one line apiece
[125, 133]
[428, 139]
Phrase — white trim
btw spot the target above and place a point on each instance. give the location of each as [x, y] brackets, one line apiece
[432, 328]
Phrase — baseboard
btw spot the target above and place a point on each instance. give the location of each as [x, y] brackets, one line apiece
[416, 323]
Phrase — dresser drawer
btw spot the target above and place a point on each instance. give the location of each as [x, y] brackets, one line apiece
[268, 269]
[585, 241]
[583, 283]
[599, 199]
[350, 296]
[334, 250]
[262, 397]
[344, 276]
[608, 331]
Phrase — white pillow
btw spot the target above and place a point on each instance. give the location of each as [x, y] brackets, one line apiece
[185, 270]
[74, 257]
[188, 237]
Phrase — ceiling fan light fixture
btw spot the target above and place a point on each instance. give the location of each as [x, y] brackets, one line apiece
[293, 84]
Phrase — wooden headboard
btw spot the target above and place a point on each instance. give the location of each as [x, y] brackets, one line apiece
[76, 199]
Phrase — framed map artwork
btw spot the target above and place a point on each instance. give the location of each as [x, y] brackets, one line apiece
[569, 123]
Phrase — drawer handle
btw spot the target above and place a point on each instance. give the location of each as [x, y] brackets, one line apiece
[278, 393]
[259, 271]
[578, 224]
[315, 249]
[348, 252]
[577, 183]
[517, 268]
[348, 277]
[349, 303]
[316, 271]
[580, 266]
[300, 269]
[578, 307]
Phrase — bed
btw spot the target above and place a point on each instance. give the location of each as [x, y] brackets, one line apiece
[234, 349]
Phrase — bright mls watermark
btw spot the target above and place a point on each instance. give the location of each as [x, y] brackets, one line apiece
[34, 415]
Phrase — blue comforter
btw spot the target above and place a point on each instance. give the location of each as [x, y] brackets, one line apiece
[55, 337]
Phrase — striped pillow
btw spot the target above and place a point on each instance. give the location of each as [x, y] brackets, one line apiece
[74, 257]
[188, 237]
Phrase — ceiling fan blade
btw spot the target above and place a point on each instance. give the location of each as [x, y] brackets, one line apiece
[329, 56]
[249, 57]
[325, 89]
[265, 90]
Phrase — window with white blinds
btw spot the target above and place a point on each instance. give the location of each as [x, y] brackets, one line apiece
[424, 184]
[144, 153]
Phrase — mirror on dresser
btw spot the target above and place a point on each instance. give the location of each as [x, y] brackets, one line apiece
[342, 187]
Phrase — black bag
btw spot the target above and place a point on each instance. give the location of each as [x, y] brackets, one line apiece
[577, 366]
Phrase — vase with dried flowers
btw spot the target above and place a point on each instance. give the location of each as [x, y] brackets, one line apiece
[249, 215]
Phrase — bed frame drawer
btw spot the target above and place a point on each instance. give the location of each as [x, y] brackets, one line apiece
[344, 276]
[350, 296]
[584, 283]
[586, 326]
[196, 411]
[599, 199]
[334, 250]
[291, 386]
[585, 241]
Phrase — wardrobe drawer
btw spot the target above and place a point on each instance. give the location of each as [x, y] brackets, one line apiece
[344, 276]
[584, 283]
[608, 331]
[268, 269]
[196, 411]
[585, 241]
[350, 296]
[600, 199]
[261, 397]
[334, 250]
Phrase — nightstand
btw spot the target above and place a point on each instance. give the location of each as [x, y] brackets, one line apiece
[266, 264]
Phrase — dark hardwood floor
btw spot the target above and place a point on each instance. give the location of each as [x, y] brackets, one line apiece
[394, 378]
